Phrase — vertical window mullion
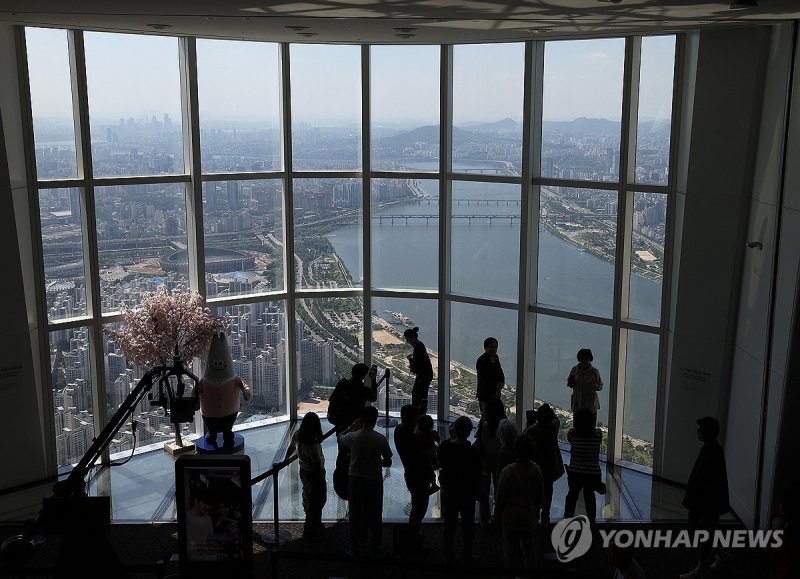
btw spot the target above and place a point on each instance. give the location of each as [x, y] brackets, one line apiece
[529, 212]
[191, 154]
[80, 99]
[366, 204]
[630, 106]
[288, 232]
[445, 221]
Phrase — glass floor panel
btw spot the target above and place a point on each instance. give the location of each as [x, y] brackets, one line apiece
[143, 489]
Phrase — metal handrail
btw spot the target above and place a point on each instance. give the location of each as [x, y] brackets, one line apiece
[277, 466]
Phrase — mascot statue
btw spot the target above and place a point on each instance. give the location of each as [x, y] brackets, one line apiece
[219, 391]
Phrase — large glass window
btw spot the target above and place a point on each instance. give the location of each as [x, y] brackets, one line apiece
[582, 107]
[328, 242]
[647, 256]
[405, 233]
[326, 107]
[72, 382]
[485, 226]
[141, 241]
[63, 251]
[51, 103]
[655, 109]
[641, 384]
[243, 222]
[577, 245]
[557, 343]
[149, 216]
[404, 110]
[487, 108]
[256, 335]
[239, 97]
[328, 341]
[470, 325]
[390, 318]
[134, 104]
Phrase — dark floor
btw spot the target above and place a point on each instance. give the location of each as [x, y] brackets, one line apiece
[146, 551]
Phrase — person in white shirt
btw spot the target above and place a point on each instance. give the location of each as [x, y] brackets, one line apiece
[369, 453]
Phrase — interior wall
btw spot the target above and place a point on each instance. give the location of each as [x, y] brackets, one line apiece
[750, 364]
[22, 443]
[713, 203]
[779, 459]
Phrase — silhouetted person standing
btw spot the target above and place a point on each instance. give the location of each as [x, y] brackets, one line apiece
[517, 505]
[583, 474]
[585, 381]
[414, 469]
[707, 491]
[307, 444]
[459, 476]
[420, 365]
[369, 453]
[544, 433]
[348, 399]
[488, 444]
[490, 373]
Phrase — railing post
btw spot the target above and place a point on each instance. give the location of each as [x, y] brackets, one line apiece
[386, 421]
[277, 535]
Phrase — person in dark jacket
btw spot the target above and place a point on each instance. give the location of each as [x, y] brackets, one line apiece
[547, 454]
[706, 495]
[459, 477]
[415, 470]
[348, 399]
[420, 365]
[490, 373]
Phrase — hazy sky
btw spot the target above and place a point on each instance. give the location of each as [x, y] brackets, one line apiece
[131, 75]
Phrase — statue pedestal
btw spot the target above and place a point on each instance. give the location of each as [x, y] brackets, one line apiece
[176, 449]
[203, 447]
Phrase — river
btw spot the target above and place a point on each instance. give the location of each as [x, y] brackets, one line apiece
[485, 263]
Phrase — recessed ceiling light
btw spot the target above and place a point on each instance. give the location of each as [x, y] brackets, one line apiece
[296, 28]
[406, 35]
[307, 34]
[160, 26]
[404, 30]
[539, 30]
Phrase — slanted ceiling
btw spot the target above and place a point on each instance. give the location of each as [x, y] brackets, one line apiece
[392, 21]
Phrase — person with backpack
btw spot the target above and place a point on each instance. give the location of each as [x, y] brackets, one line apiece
[348, 399]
